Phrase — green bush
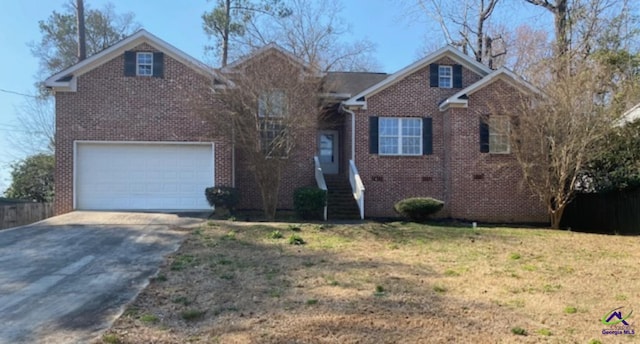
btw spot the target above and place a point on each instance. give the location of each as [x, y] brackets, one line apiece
[222, 196]
[295, 239]
[418, 209]
[309, 202]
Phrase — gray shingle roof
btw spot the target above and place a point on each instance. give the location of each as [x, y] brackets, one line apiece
[352, 82]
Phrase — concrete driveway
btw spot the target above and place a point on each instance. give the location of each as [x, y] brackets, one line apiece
[66, 279]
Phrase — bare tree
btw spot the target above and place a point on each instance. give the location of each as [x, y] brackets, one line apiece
[584, 26]
[560, 10]
[36, 123]
[528, 49]
[268, 113]
[465, 25]
[556, 133]
[312, 30]
[229, 19]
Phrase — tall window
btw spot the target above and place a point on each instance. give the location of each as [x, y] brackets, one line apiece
[400, 136]
[272, 110]
[144, 64]
[499, 127]
[445, 76]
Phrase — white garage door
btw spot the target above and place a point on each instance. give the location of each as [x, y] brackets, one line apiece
[139, 176]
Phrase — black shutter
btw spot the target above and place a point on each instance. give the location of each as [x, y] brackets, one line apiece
[457, 76]
[373, 135]
[433, 75]
[427, 136]
[158, 65]
[129, 63]
[484, 136]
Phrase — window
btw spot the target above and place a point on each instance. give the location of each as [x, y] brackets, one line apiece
[499, 127]
[400, 136]
[274, 140]
[272, 104]
[445, 76]
[144, 64]
[272, 108]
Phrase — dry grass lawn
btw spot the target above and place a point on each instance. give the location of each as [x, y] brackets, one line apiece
[235, 282]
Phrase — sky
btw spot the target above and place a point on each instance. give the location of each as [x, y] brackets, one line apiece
[399, 39]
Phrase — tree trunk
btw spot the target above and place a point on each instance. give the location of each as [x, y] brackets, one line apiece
[268, 178]
[555, 216]
[561, 15]
[225, 35]
[82, 42]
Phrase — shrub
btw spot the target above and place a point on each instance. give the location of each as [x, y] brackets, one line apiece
[518, 331]
[222, 196]
[309, 202]
[418, 209]
[295, 239]
[275, 235]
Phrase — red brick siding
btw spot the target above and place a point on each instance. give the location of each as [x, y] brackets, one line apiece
[111, 107]
[448, 173]
[404, 176]
[500, 196]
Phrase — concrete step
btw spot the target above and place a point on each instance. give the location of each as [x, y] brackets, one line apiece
[341, 205]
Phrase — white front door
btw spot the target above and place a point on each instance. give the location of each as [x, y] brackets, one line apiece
[328, 151]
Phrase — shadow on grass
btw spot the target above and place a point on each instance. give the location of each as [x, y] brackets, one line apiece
[264, 290]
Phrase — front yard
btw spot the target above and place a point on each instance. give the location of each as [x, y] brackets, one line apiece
[234, 282]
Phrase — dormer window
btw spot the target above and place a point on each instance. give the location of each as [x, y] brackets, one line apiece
[445, 76]
[144, 64]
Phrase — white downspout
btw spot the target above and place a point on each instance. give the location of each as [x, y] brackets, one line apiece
[353, 131]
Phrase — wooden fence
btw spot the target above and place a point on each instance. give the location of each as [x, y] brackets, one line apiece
[24, 213]
[615, 212]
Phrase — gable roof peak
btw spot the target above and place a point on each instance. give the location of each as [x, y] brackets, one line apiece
[65, 79]
[446, 51]
[271, 46]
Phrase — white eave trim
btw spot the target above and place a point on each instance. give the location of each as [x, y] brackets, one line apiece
[447, 51]
[64, 86]
[141, 36]
[502, 73]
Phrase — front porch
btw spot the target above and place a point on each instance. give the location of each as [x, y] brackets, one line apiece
[335, 171]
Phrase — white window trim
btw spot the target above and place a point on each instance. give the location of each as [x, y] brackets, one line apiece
[450, 76]
[138, 64]
[493, 132]
[399, 135]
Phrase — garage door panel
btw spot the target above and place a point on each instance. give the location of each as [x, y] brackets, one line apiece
[143, 176]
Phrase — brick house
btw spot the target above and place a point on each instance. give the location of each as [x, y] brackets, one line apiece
[129, 136]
